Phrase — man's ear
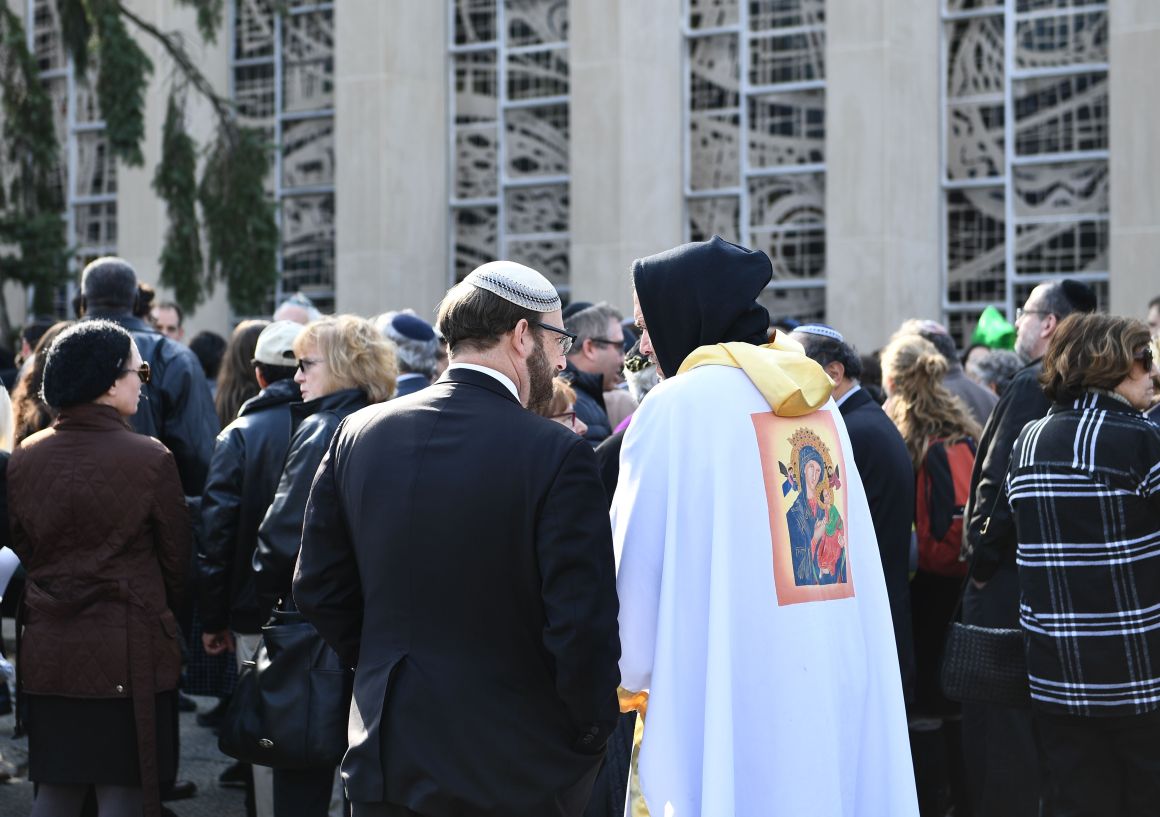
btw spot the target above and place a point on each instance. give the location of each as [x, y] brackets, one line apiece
[835, 370]
[1050, 323]
[523, 338]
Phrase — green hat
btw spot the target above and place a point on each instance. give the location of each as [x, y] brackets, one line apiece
[993, 330]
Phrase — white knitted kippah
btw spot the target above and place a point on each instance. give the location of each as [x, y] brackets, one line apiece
[514, 282]
[822, 330]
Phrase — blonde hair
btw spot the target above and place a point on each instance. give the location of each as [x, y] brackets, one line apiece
[562, 397]
[357, 356]
[920, 405]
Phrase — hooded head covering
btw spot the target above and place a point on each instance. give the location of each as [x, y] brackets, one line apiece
[701, 294]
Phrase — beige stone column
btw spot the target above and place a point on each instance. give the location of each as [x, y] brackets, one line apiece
[141, 216]
[626, 122]
[391, 157]
[882, 166]
[1134, 125]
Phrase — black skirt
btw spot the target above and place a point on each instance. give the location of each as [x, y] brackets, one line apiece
[94, 740]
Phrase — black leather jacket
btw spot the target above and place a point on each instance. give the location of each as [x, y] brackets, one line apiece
[280, 534]
[243, 477]
[589, 390]
[176, 404]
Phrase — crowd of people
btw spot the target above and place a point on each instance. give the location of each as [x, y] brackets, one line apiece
[568, 563]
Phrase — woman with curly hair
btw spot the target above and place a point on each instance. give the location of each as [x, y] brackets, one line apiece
[940, 434]
[344, 364]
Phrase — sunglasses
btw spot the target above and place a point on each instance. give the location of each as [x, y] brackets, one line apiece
[1144, 356]
[142, 372]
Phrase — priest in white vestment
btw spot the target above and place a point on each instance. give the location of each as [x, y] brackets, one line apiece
[752, 603]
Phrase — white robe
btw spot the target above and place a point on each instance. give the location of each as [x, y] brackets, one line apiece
[756, 708]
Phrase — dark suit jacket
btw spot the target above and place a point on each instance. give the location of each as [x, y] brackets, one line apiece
[888, 476]
[457, 551]
[1022, 402]
[410, 385]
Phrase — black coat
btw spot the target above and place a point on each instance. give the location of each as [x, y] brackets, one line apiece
[314, 423]
[410, 385]
[589, 407]
[1022, 402]
[457, 551]
[888, 475]
[243, 478]
[176, 404]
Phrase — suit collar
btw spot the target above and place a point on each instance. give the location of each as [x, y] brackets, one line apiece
[473, 377]
[855, 400]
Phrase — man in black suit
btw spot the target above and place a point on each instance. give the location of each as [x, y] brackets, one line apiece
[887, 474]
[470, 582]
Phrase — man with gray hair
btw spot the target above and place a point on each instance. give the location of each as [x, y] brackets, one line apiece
[882, 460]
[999, 744]
[594, 364]
[416, 349]
[178, 409]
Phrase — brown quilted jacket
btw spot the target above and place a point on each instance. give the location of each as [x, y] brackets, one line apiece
[100, 523]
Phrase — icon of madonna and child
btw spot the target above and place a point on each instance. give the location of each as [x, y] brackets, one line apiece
[811, 550]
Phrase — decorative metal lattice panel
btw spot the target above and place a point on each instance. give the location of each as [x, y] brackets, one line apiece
[1025, 115]
[755, 138]
[510, 135]
[283, 86]
[86, 175]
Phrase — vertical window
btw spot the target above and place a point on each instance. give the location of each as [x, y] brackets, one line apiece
[509, 135]
[755, 133]
[1025, 151]
[88, 171]
[283, 84]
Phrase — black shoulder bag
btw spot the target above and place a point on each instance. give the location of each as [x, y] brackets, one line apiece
[289, 710]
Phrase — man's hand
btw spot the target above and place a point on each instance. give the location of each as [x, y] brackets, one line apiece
[217, 643]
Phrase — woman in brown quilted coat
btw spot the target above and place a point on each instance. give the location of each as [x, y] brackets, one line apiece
[100, 524]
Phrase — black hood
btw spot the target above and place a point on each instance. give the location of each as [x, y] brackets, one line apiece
[700, 294]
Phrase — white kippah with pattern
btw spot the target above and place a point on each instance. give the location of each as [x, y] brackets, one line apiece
[821, 330]
[514, 282]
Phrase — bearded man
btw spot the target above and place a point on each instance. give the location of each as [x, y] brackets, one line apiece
[457, 553]
[753, 607]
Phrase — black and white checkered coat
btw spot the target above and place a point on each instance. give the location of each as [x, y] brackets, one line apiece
[1084, 487]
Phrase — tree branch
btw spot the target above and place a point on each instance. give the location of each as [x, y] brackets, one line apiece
[192, 73]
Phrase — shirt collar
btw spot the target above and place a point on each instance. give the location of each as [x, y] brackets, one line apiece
[500, 376]
[857, 387]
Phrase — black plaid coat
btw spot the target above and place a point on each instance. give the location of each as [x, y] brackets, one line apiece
[1084, 487]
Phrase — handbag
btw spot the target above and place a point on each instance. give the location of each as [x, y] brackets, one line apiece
[983, 664]
[290, 707]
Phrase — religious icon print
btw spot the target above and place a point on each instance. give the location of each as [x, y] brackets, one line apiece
[803, 465]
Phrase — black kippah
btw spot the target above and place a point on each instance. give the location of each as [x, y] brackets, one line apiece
[1081, 297]
[83, 362]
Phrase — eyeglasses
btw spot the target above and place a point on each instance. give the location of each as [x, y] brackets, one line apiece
[567, 417]
[608, 342]
[565, 342]
[141, 371]
[1020, 312]
[304, 364]
[1144, 356]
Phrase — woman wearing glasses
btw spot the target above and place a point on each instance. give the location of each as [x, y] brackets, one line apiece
[562, 407]
[99, 521]
[1084, 487]
[344, 364]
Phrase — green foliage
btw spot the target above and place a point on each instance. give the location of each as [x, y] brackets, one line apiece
[239, 218]
[32, 199]
[121, 83]
[175, 180]
[76, 31]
